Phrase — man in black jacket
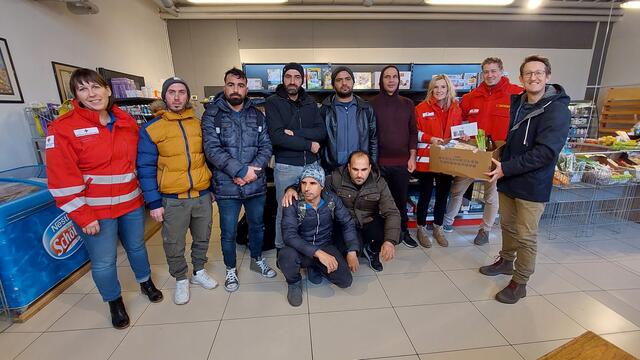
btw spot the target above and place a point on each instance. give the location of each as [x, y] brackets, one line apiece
[538, 127]
[296, 131]
[350, 122]
[307, 229]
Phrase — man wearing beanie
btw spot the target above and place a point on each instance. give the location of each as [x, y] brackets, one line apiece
[307, 229]
[175, 181]
[397, 142]
[296, 131]
[350, 122]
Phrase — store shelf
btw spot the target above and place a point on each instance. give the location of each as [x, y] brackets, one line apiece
[134, 101]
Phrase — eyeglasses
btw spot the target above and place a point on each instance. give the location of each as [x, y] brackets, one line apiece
[530, 74]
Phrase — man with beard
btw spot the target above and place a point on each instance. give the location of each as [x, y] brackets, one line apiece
[296, 131]
[175, 181]
[397, 142]
[236, 142]
[367, 197]
[310, 231]
[350, 122]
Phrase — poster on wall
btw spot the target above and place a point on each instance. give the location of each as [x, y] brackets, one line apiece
[63, 73]
[9, 87]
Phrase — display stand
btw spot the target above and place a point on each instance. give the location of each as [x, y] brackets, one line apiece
[621, 110]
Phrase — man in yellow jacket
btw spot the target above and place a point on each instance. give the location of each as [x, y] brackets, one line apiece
[175, 181]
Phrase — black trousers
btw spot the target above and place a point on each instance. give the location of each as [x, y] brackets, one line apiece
[373, 233]
[397, 177]
[443, 186]
[290, 261]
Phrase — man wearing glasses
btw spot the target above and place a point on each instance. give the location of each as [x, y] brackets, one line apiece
[488, 106]
[538, 127]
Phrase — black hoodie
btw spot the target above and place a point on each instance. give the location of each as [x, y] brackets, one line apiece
[303, 118]
[537, 133]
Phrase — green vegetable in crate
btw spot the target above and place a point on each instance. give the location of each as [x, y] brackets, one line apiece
[481, 140]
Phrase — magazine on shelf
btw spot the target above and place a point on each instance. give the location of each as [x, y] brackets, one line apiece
[254, 84]
[274, 78]
[471, 80]
[326, 78]
[376, 79]
[314, 78]
[405, 79]
[362, 80]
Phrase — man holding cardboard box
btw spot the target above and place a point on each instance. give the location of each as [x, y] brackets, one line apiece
[488, 106]
[538, 128]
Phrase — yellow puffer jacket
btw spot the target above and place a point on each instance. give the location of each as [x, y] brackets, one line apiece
[171, 160]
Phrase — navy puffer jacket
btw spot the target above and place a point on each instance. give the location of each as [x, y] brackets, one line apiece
[234, 142]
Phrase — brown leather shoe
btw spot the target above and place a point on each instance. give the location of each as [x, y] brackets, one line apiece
[512, 293]
[423, 237]
[438, 234]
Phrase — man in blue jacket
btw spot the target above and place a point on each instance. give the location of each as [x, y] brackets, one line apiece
[307, 229]
[538, 127]
[236, 142]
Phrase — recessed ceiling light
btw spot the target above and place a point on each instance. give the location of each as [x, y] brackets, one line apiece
[635, 4]
[236, 2]
[470, 2]
[534, 4]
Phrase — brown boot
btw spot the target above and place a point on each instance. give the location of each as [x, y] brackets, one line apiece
[438, 234]
[512, 293]
[423, 237]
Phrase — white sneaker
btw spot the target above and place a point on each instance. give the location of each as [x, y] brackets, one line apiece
[231, 283]
[181, 295]
[203, 279]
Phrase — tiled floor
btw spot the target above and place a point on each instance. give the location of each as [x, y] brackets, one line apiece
[427, 304]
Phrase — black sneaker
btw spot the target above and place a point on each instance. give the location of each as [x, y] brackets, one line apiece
[408, 241]
[374, 259]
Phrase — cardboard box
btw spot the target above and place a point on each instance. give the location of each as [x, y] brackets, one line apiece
[459, 162]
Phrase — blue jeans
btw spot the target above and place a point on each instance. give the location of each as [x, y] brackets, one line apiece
[102, 249]
[229, 210]
[284, 176]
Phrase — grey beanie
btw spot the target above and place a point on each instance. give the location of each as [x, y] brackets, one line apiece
[170, 81]
[338, 70]
[313, 171]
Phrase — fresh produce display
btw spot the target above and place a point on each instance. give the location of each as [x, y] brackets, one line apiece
[598, 169]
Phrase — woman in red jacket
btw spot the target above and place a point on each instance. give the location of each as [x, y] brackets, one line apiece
[91, 161]
[434, 118]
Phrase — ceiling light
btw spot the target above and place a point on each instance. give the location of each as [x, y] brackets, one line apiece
[534, 4]
[236, 2]
[634, 4]
[470, 2]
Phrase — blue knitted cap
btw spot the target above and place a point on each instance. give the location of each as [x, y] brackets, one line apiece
[313, 171]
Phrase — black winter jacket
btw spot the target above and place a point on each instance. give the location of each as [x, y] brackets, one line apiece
[240, 141]
[537, 133]
[316, 229]
[303, 118]
[367, 132]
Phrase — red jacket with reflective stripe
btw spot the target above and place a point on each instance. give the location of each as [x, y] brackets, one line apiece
[91, 170]
[489, 107]
[430, 118]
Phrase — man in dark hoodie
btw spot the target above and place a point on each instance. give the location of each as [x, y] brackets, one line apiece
[350, 122]
[296, 131]
[397, 142]
[538, 128]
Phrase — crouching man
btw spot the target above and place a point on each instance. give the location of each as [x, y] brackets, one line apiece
[307, 231]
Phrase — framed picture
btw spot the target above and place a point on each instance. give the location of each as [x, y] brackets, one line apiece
[63, 73]
[9, 88]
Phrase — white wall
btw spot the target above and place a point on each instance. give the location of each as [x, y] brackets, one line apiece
[570, 67]
[127, 36]
[622, 66]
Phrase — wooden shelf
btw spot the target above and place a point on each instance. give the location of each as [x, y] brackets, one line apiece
[621, 110]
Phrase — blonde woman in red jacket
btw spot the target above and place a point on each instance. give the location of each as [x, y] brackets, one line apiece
[434, 118]
[91, 163]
